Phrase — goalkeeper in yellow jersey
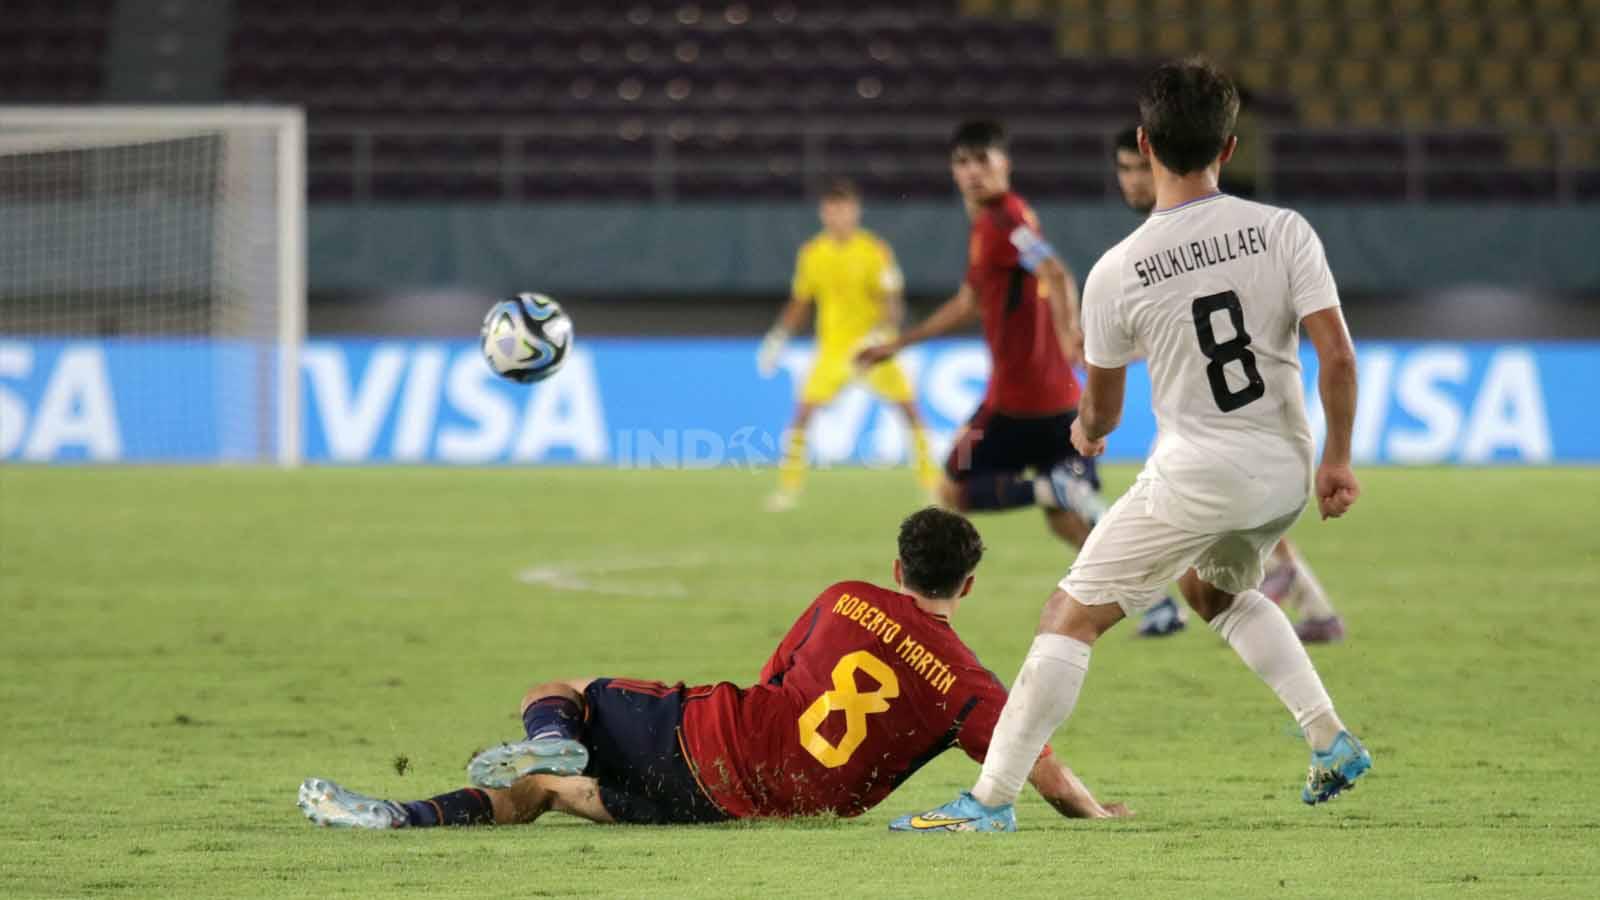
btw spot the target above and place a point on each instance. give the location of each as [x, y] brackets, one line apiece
[851, 276]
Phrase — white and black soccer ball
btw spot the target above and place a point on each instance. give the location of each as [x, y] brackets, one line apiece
[526, 338]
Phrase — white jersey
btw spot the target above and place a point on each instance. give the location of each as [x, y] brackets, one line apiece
[1211, 293]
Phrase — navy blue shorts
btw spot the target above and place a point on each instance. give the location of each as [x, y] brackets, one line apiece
[997, 444]
[636, 754]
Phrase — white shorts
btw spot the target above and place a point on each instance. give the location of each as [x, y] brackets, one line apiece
[1131, 556]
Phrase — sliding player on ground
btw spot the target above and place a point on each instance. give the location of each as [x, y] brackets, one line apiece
[851, 276]
[1213, 291]
[1289, 581]
[868, 686]
[1016, 450]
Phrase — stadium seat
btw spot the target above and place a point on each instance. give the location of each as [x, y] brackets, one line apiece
[399, 89]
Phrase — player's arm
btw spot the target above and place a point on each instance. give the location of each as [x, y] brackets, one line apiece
[1035, 254]
[1337, 488]
[1072, 798]
[790, 320]
[793, 317]
[1100, 409]
[893, 285]
[956, 312]
[1063, 298]
[1108, 348]
[1316, 301]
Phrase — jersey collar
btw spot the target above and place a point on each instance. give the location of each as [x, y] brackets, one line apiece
[1206, 199]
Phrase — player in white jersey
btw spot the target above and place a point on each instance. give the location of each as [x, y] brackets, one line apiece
[1289, 581]
[1213, 291]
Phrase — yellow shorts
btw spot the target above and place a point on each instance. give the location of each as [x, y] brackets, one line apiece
[830, 374]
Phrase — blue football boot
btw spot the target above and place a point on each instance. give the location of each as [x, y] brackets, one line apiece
[1335, 769]
[1163, 619]
[500, 767]
[964, 813]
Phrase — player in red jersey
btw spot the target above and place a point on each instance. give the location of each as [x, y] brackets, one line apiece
[1017, 448]
[868, 686]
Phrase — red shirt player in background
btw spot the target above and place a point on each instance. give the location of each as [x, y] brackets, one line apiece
[1017, 448]
[868, 686]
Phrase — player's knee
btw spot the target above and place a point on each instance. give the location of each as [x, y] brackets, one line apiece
[527, 799]
[1064, 615]
[572, 689]
[1207, 600]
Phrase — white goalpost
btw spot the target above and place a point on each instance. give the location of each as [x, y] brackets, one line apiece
[183, 225]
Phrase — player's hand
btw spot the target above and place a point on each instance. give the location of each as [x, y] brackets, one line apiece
[1337, 490]
[867, 357]
[1082, 444]
[771, 349]
[1119, 810]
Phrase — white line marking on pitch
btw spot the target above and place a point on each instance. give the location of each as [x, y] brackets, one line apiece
[592, 577]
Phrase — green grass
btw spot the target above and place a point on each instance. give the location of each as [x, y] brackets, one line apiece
[180, 647]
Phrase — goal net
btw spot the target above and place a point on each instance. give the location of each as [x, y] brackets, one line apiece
[170, 242]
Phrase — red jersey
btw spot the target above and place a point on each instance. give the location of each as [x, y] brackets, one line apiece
[864, 690]
[1030, 373]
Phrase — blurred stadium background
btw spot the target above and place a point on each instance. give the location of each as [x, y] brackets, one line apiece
[652, 165]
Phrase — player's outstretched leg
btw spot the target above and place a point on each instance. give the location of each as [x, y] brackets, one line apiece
[1261, 634]
[1042, 697]
[552, 719]
[1076, 508]
[332, 805]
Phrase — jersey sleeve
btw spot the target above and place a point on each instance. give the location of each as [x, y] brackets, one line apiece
[783, 657]
[804, 284]
[1311, 286]
[1027, 240]
[1108, 343]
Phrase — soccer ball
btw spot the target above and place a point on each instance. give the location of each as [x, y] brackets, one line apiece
[526, 338]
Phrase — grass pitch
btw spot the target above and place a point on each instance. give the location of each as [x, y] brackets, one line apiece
[180, 647]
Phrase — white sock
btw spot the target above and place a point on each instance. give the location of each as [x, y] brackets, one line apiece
[1260, 633]
[1311, 599]
[1043, 696]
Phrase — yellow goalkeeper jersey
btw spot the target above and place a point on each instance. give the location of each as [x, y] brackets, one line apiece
[849, 281]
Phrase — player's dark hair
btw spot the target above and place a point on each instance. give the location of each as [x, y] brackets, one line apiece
[1127, 139]
[1188, 108]
[938, 550]
[840, 189]
[978, 135]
